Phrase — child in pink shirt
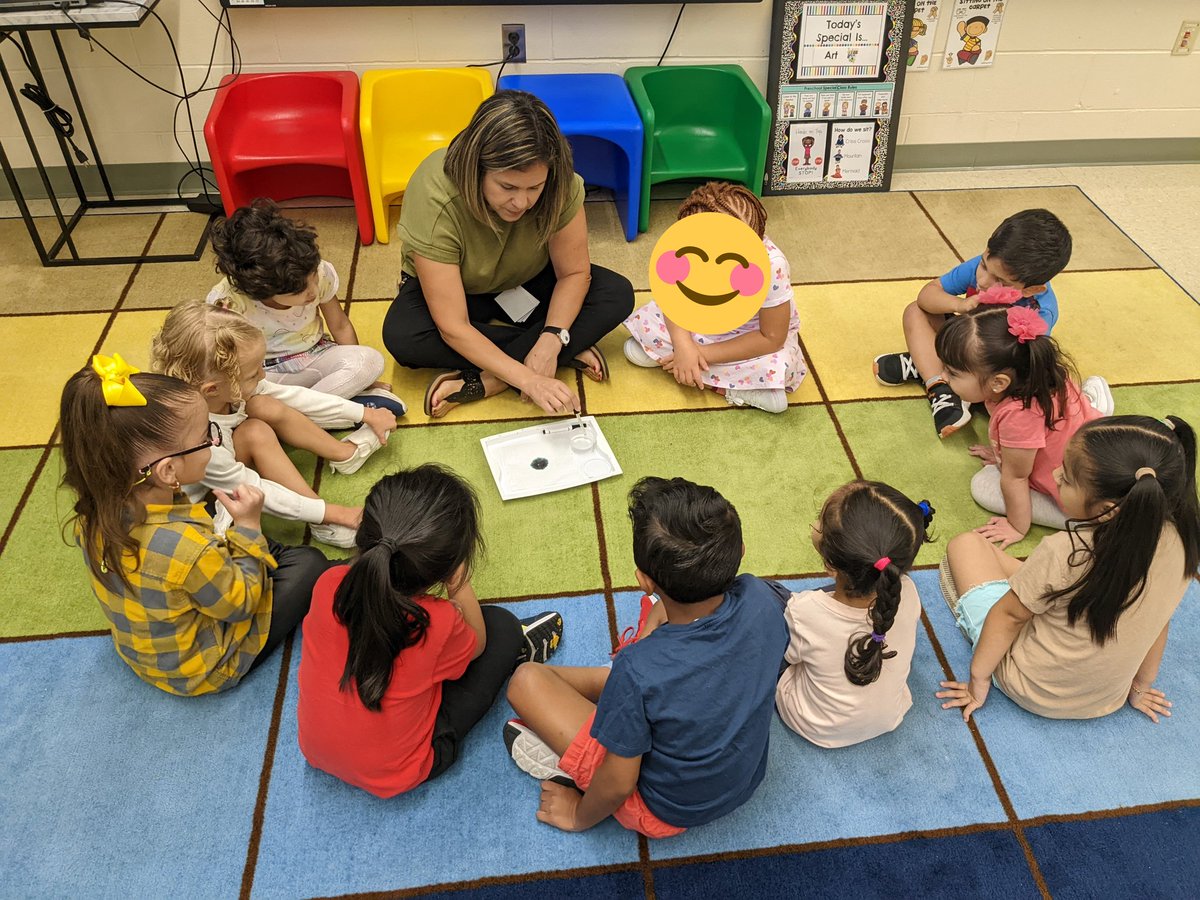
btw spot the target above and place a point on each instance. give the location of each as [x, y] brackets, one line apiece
[1004, 358]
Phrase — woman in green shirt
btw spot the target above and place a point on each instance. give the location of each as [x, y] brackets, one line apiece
[501, 208]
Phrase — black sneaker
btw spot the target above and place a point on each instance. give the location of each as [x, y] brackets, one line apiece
[895, 369]
[949, 412]
[532, 755]
[542, 635]
[380, 398]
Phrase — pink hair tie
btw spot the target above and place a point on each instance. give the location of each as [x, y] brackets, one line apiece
[882, 563]
[1025, 324]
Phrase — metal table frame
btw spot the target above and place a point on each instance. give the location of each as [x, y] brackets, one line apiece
[53, 255]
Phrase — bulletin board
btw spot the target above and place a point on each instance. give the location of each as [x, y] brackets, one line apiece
[834, 85]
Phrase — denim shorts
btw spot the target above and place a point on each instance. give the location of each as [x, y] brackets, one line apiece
[975, 604]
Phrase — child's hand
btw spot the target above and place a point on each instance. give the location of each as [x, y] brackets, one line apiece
[558, 806]
[381, 421]
[985, 452]
[969, 303]
[969, 696]
[688, 365]
[1000, 532]
[244, 504]
[1153, 703]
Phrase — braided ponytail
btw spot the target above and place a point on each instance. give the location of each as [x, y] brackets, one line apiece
[870, 535]
[198, 341]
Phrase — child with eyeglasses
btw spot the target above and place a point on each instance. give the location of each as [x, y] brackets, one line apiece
[190, 611]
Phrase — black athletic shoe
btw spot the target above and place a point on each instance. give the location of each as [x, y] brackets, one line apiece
[949, 411]
[542, 636]
[895, 369]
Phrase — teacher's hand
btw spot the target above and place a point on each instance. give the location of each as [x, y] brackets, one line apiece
[550, 394]
[543, 358]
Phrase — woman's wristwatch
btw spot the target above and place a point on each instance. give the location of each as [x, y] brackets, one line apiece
[561, 333]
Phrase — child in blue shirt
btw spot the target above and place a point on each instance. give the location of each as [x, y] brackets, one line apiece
[675, 735]
[1023, 254]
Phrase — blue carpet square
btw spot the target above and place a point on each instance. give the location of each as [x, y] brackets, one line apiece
[1067, 766]
[1150, 855]
[924, 775]
[595, 887]
[477, 820]
[113, 788]
[985, 864]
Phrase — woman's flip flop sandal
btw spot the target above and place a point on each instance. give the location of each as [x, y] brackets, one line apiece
[471, 390]
[587, 370]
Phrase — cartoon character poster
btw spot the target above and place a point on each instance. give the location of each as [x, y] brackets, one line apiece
[973, 35]
[806, 152]
[920, 50]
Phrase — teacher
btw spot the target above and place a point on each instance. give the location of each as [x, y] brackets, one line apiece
[501, 208]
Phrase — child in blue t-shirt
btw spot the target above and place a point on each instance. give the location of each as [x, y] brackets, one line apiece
[675, 735]
[1023, 254]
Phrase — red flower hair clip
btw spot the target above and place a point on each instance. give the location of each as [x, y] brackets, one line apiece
[999, 295]
[1025, 324]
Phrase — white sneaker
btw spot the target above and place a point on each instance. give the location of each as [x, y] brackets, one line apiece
[1097, 392]
[532, 755]
[638, 356]
[334, 535]
[365, 442]
[772, 400]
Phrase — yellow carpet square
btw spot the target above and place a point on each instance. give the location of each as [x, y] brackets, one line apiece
[44, 352]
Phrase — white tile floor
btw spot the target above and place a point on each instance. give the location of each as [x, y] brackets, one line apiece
[1157, 206]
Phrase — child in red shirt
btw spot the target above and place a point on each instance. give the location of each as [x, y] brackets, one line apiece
[391, 677]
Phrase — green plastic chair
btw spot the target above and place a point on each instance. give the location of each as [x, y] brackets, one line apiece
[701, 122]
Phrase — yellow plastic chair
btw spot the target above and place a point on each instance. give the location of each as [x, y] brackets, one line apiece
[406, 114]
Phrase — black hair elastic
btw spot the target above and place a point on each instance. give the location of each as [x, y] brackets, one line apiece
[927, 512]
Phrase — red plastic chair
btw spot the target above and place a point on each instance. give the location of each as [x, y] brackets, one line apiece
[287, 135]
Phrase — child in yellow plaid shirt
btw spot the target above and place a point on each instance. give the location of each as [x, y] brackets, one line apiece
[191, 611]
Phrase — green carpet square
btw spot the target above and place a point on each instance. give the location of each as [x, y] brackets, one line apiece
[894, 441]
[777, 471]
[15, 468]
[537, 546]
[1160, 401]
[43, 580]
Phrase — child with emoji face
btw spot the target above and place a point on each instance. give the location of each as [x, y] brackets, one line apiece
[756, 364]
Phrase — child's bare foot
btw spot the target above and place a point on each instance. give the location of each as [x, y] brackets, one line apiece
[594, 367]
[438, 403]
[384, 385]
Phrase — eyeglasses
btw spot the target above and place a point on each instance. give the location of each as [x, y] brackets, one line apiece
[213, 440]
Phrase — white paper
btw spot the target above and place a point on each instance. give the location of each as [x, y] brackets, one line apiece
[850, 152]
[843, 40]
[517, 303]
[528, 462]
[806, 152]
[973, 34]
[920, 40]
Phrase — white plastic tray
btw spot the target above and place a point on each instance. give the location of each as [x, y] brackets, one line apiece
[529, 461]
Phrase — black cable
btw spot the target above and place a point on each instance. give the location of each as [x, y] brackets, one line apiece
[60, 120]
[682, 6]
[184, 99]
[512, 53]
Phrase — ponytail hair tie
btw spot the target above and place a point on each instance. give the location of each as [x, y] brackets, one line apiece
[114, 375]
[1025, 324]
[1143, 472]
[388, 543]
[927, 512]
[878, 638]
[882, 563]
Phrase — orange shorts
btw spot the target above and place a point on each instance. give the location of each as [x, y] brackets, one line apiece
[581, 761]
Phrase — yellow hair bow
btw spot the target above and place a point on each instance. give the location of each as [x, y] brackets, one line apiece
[114, 375]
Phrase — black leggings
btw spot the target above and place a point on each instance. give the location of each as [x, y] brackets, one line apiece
[411, 336]
[291, 591]
[465, 701]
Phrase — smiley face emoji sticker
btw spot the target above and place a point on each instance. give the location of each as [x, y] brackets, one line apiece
[708, 273]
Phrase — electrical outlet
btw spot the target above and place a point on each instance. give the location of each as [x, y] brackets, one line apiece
[1186, 39]
[512, 43]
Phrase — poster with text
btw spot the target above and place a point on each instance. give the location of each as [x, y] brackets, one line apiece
[840, 40]
[806, 152]
[827, 103]
[845, 104]
[850, 151]
[808, 106]
[865, 101]
[974, 32]
[920, 39]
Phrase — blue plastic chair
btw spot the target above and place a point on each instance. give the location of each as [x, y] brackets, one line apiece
[598, 117]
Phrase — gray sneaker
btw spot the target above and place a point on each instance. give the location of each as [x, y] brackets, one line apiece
[532, 755]
[772, 400]
[638, 356]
